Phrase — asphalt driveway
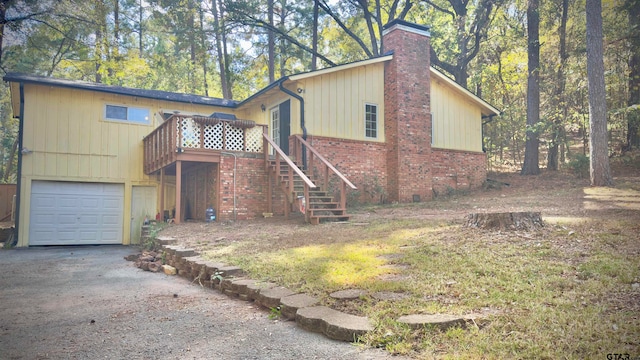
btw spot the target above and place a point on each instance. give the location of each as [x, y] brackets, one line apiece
[89, 303]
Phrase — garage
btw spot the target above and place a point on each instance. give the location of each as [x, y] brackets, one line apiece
[73, 213]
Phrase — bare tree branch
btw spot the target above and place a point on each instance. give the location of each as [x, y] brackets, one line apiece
[439, 8]
[248, 19]
[325, 7]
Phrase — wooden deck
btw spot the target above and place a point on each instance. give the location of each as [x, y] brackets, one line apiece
[199, 138]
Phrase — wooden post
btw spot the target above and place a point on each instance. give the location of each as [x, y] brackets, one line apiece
[162, 194]
[202, 127]
[176, 219]
[343, 195]
[265, 148]
[270, 192]
[307, 213]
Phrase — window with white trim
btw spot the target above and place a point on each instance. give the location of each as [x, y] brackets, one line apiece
[127, 113]
[371, 120]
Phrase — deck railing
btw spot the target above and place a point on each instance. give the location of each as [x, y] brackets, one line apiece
[314, 159]
[186, 133]
[285, 179]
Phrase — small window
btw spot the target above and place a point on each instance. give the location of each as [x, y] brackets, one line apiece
[371, 120]
[126, 113]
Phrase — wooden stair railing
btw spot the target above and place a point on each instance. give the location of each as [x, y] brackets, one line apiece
[322, 206]
[286, 179]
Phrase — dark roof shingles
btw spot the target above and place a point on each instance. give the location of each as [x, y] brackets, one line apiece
[143, 93]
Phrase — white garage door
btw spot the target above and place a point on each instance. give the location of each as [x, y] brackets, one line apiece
[68, 213]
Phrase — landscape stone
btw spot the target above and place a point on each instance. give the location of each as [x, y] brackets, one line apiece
[348, 294]
[270, 298]
[254, 289]
[164, 240]
[169, 270]
[231, 271]
[239, 286]
[132, 257]
[334, 324]
[442, 321]
[185, 252]
[291, 304]
[154, 266]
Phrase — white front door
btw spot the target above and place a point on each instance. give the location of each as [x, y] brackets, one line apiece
[275, 125]
[143, 204]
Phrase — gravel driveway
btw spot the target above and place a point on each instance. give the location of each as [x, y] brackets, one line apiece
[88, 303]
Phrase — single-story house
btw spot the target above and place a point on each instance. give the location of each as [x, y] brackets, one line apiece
[97, 160]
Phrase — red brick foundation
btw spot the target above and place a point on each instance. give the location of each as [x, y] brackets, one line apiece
[362, 162]
[454, 171]
[251, 188]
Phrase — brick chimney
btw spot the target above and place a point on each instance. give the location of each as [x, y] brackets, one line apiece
[407, 111]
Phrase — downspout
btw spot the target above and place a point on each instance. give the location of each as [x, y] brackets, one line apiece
[19, 172]
[235, 162]
[302, 125]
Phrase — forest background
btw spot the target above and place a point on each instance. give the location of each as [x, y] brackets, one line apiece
[232, 48]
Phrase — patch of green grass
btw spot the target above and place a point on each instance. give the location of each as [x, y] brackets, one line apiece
[545, 295]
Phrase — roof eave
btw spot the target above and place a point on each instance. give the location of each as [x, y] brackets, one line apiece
[117, 90]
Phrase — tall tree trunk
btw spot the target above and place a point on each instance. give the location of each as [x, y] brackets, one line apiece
[220, 50]
[140, 29]
[531, 151]
[116, 25]
[633, 116]
[225, 52]
[599, 170]
[204, 53]
[283, 44]
[271, 43]
[314, 36]
[114, 48]
[560, 114]
[3, 21]
[101, 34]
[192, 46]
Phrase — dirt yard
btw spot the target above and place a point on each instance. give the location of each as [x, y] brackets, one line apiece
[558, 196]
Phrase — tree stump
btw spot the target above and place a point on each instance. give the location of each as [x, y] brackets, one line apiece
[505, 221]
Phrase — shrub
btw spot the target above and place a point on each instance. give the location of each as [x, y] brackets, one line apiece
[579, 165]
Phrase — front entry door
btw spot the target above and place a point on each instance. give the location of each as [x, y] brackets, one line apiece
[281, 125]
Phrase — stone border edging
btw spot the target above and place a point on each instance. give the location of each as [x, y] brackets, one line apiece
[304, 309]
[230, 281]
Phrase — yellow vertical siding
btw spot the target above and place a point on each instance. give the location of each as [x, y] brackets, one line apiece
[457, 123]
[334, 102]
[71, 140]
